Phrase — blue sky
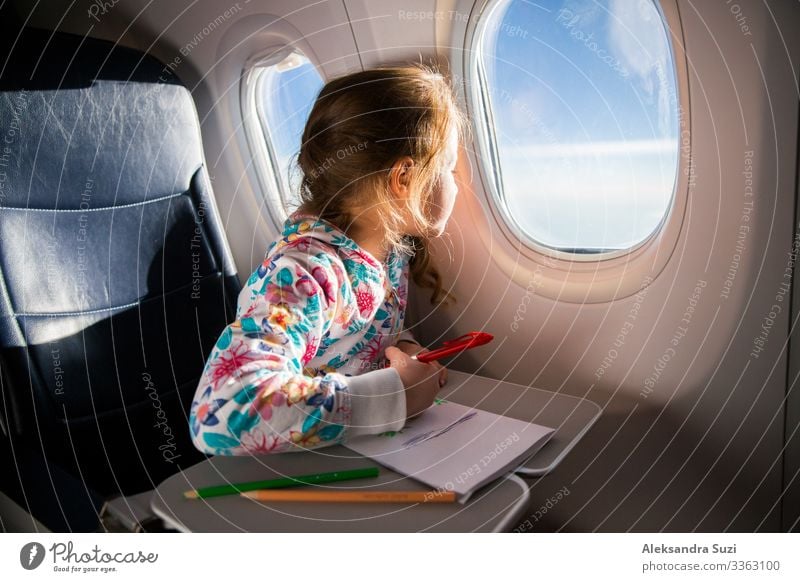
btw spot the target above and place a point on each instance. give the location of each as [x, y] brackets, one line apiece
[288, 97]
[584, 101]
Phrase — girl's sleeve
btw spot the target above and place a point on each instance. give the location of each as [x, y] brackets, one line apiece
[253, 396]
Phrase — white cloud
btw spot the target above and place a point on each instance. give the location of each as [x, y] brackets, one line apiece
[638, 39]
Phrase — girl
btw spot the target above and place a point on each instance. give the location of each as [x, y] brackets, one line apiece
[303, 365]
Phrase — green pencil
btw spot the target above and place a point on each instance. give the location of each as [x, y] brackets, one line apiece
[313, 479]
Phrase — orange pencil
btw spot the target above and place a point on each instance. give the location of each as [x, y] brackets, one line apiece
[353, 496]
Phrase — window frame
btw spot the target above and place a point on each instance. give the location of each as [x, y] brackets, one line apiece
[487, 140]
[265, 161]
[566, 275]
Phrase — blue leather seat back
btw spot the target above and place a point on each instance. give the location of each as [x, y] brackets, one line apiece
[115, 276]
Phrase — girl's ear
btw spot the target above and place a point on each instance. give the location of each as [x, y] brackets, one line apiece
[400, 177]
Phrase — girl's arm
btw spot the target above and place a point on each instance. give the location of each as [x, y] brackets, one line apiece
[253, 396]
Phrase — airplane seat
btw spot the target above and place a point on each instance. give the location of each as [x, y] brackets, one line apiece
[115, 274]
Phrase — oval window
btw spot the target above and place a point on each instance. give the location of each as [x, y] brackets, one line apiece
[284, 95]
[578, 121]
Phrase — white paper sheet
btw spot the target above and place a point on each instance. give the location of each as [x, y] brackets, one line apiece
[455, 448]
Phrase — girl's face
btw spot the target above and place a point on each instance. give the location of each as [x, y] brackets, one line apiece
[445, 190]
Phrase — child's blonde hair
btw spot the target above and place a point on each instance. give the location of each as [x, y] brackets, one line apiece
[359, 126]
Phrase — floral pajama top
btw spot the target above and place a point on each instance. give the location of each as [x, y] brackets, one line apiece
[301, 366]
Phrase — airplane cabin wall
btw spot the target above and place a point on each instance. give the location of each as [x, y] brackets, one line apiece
[702, 448]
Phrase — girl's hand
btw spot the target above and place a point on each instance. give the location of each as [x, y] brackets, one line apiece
[412, 349]
[421, 381]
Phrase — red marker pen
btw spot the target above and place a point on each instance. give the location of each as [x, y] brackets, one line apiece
[467, 341]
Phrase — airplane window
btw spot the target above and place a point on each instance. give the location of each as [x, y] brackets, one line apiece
[579, 120]
[284, 95]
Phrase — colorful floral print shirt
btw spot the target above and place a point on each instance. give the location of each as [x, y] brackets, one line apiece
[301, 367]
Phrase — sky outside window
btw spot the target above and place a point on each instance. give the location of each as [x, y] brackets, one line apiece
[585, 108]
[287, 92]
